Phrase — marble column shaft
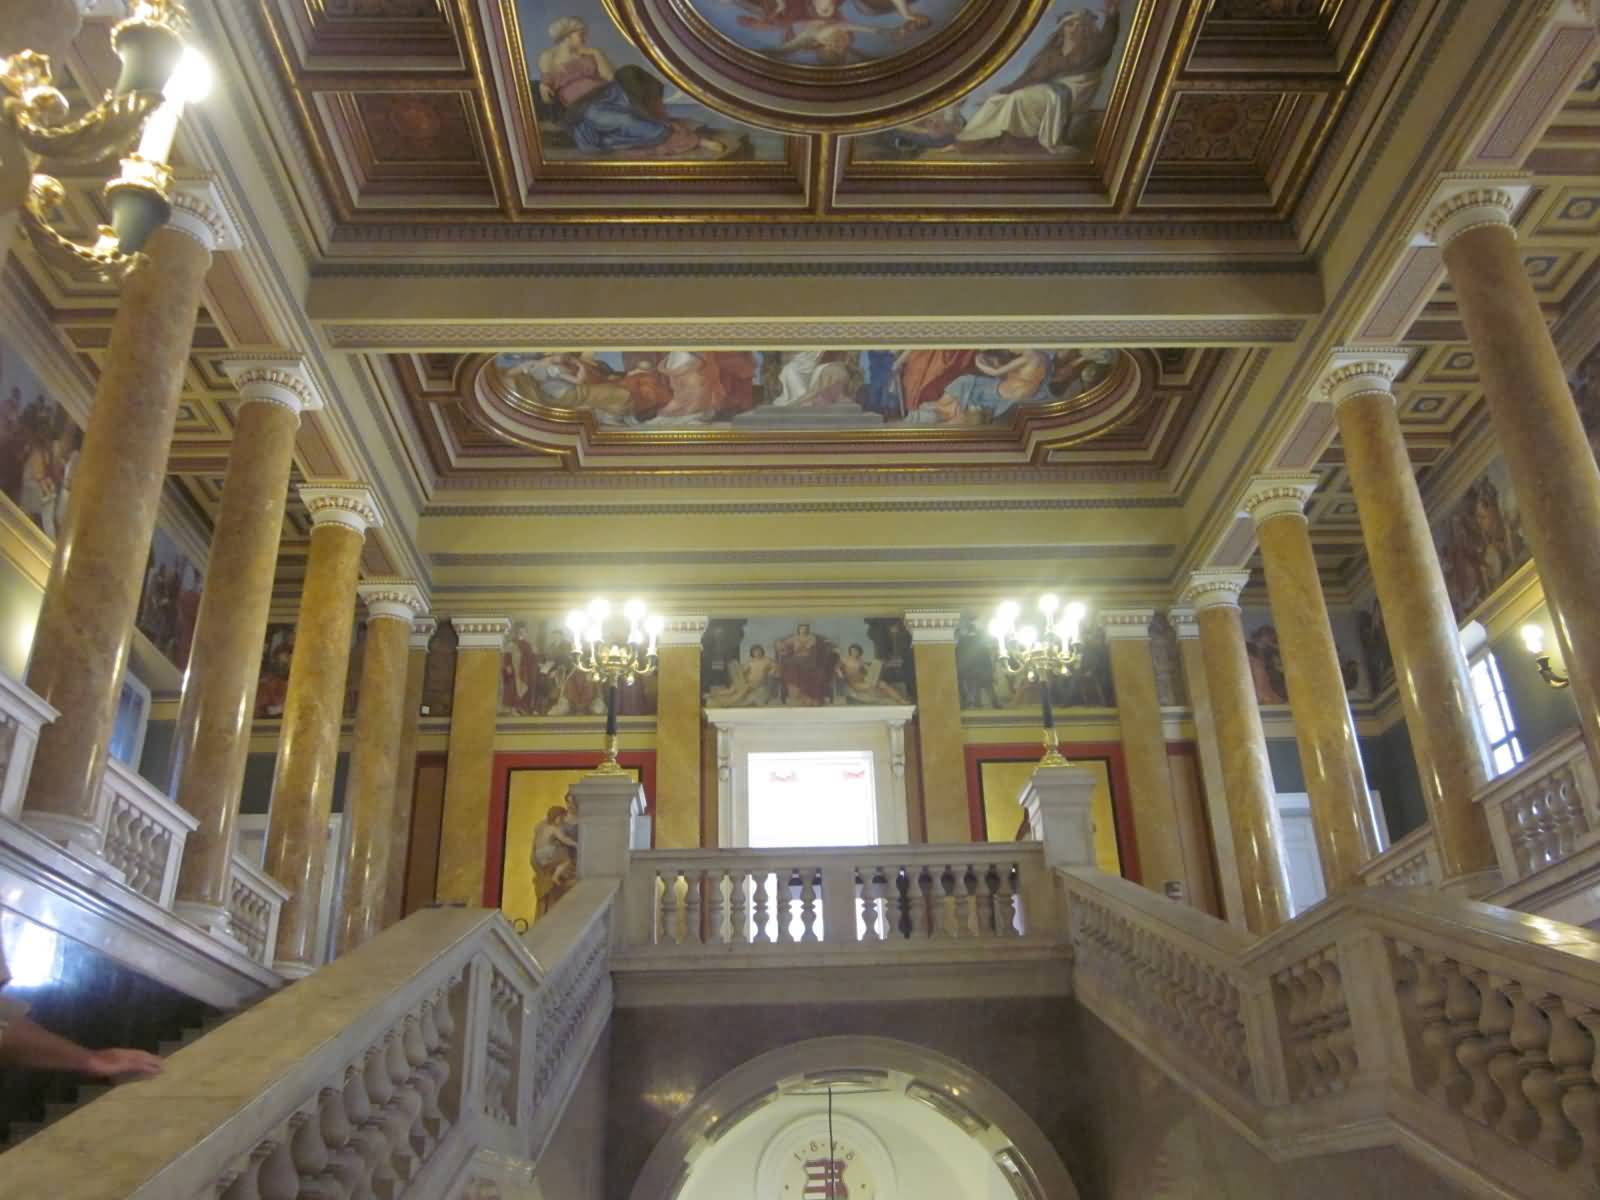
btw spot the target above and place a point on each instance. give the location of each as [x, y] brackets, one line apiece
[1144, 746]
[1210, 754]
[1336, 783]
[1430, 670]
[219, 686]
[1536, 425]
[1246, 772]
[469, 768]
[678, 740]
[405, 782]
[369, 803]
[939, 738]
[313, 712]
[92, 596]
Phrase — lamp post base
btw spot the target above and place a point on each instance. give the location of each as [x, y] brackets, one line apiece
[1052, 751]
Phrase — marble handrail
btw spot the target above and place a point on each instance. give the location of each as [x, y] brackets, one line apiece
[22, 716]
[1543, 811]
[434, 1060]
[746, 900]
[1462, 1032]
[1412, 861]
[255, 901]
[143, 833]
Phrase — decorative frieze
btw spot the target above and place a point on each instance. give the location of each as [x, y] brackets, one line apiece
[1360, 373]
[1215, 587]
[1275, 494]
[348, 504]
[682, 631]
[285, 382]
[393, 599]
[932, 628]
[1126, 624]
[1466, 208]
[201, 211]
[481, 633]
[422, 630]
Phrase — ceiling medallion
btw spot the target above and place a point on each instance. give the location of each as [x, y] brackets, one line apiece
[827, 66]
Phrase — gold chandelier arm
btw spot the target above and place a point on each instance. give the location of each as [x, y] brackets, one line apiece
[103, 258]
[104, 130]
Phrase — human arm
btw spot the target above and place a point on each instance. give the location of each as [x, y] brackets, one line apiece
[602, 64]
[26, 1043]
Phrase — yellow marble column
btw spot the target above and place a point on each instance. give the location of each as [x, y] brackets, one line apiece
[1210, 754]
[939, 738]
[369, 793]
[405, 781]
[213, 735]
[1536, 425]
[469, 769]
[1246, 773]
[313, 711]
[1446, 732]
[92, 597]
[1156, 825]
[1342, 816]
[678, 738]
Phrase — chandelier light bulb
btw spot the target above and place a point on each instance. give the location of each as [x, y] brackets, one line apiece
[634, 610]
[1008, 612]
[1533, 638]
[599, 609]
[1028, 636]
[654, 624]
[1048, 603]
[192, 78]
[577, 622]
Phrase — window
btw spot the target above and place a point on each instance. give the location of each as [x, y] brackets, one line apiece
[813, 799]
[1489, 692]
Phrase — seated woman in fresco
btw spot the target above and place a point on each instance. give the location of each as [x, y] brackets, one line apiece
[1002, 379]
[607, 110]
[753, 683]
[863, 683]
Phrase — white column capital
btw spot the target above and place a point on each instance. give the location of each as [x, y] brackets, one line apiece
[282, 381]
[1461, 204]
[1126, 624]
[393, 599]
[1274, 494]
[349, 504]
[1183, 623]
[1059, 802]
[682, 631]
[1353, 373]
[422, 629]
[201, 210]
[481, 633]
[932, 628]
[1215, 587]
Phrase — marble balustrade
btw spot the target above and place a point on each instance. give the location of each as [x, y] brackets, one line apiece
[255, 900]
[143, 832]
[22, 716]
[1412, 861]
[438, 1061]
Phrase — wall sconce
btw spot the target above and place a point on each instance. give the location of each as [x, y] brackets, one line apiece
[1533, 639]
[160, 74]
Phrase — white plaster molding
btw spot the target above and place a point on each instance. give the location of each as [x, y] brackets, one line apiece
[1183, 623]
[682, 631]
[200, 210]
[481, 633]
[1126, 624]
[1461, 204]
[349, 504]
[933, 628]
[1352, 373]
[282, 381]
[422, 630]
[1215, 587]
[393, 599]
[1274, 494]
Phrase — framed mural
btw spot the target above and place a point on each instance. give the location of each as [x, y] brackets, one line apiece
[170, 599]
[828, 33]
[1479, 539]
[39, 444]
[1266, 656]
[806, 662]
[539, 678]
[984, 684]
[996, 776]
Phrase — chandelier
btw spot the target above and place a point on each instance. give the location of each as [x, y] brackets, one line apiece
[1041, 653]
[613, 663]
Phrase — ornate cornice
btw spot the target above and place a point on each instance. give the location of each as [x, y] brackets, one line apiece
[933, 628]
[1273, 494]
[1183, 623]
[1215, 587]
[393, 599]
[422, 629]
[1468, 208]
[349, 504]
[1126, 624]
[285, 382]
[201, 211]
[481, 633]
[1353, 373]
[682, 631]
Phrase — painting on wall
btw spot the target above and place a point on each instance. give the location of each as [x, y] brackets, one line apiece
[595, 97]
[272, 686]
[539, 678]
[39, 444]
[804, 662]
[1172, 691]
[1046, 103]
[771, 388]
[984, 683]
[1266, 656]
[1375, 645]
[1479, 539]
[170, 599]
[1001, 781]
[1585, 383]
[828, 33]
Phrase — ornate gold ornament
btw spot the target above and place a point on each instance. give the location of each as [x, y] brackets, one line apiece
[614, 663]
[159, 76]
[1040, 654]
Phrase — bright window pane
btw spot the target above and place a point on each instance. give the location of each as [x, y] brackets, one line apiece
[1494, 709]
[1493, 725]
[820, 798]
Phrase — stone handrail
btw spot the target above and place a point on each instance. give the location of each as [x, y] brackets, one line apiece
[747, 901]
[22, 716]
[1470, 1040]
[1545, 810]
[143, 832]
[435, 1060]
[255, 901]
[1412, 861]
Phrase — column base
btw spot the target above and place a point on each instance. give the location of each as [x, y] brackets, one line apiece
[212, 920]
[292, 970]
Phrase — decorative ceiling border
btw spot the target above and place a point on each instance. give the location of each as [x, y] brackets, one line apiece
[743, 508]
[852, 554]
[592, 268]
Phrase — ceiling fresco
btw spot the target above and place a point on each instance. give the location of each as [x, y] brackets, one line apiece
[828, 33]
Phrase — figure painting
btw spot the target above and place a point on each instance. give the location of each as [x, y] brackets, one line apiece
[595, 98]
[272, 685]
[806, 663]
[828, 33]
[1266, 656]
[1585, 383]
[539, 677]
[1375, 644]
[170, 600]
[985, 683]
[555, 856]
[918, 388]
[1046, 103]
[39, 445]
[1479, 539]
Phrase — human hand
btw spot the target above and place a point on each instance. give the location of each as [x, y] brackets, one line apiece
[106, 1064]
